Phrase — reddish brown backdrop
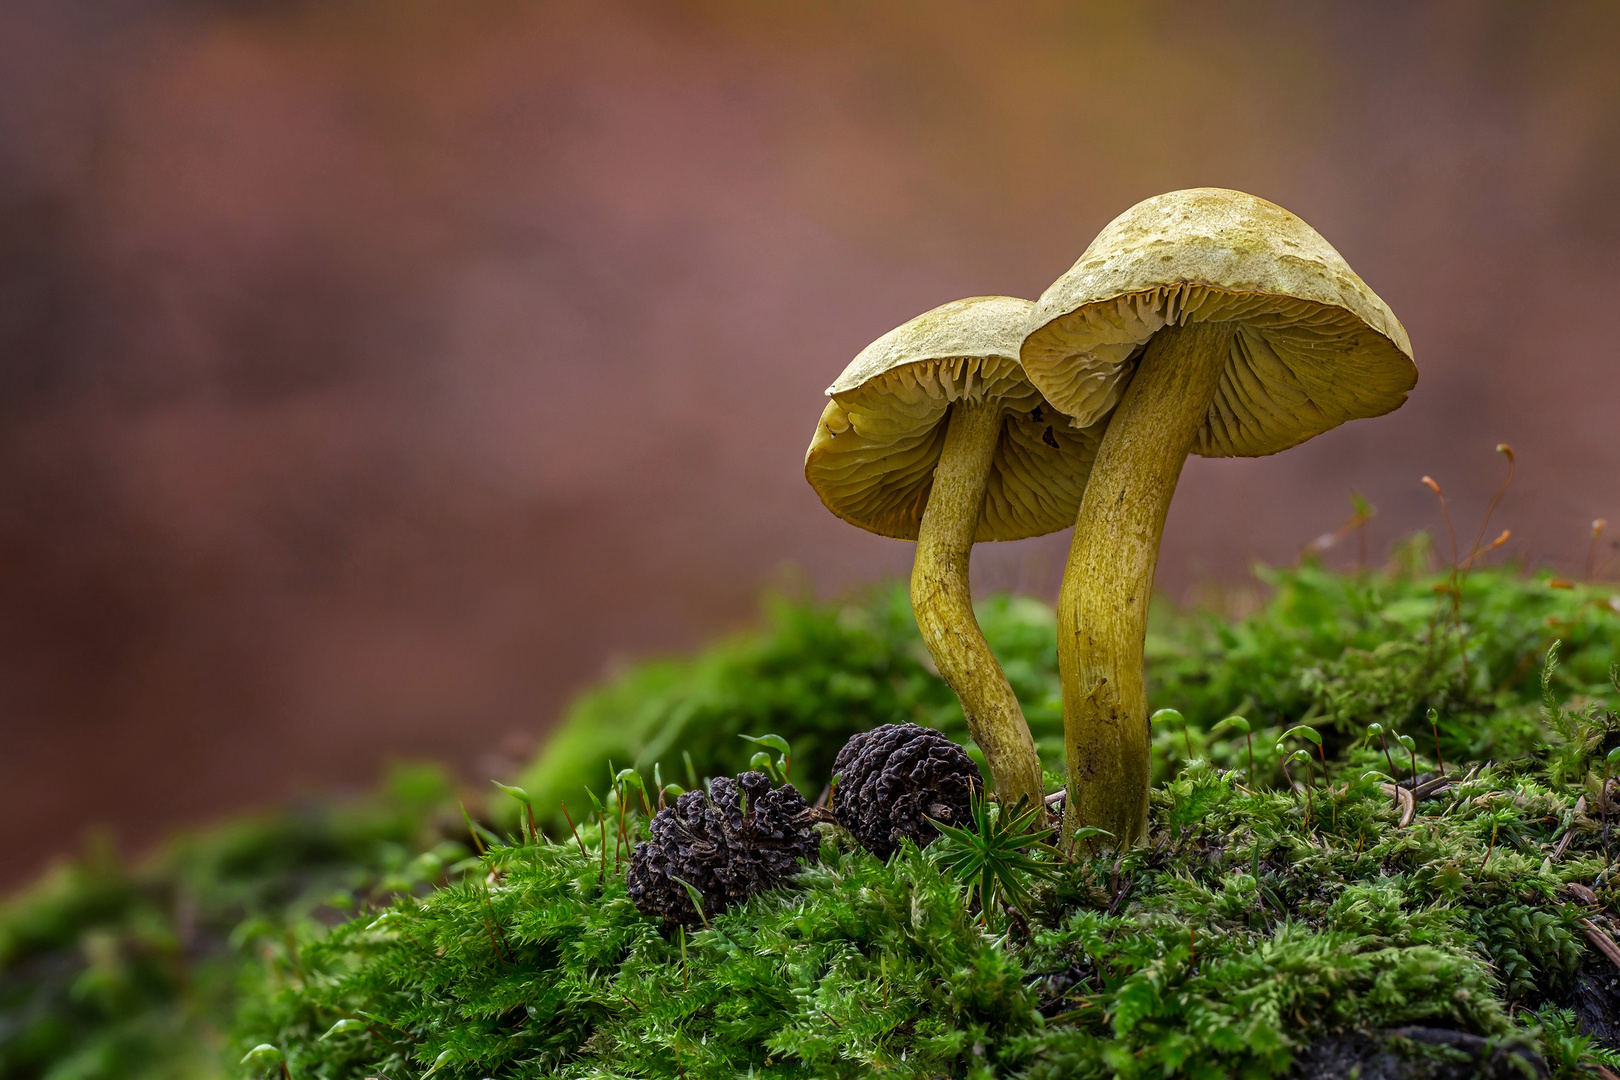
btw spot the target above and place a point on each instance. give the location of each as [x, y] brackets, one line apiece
[375, 371]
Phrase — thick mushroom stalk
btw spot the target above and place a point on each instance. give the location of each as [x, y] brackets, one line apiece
[943, 602]
[1108, 581]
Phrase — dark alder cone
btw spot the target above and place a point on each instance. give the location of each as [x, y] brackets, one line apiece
[728, 853]
[892, 779]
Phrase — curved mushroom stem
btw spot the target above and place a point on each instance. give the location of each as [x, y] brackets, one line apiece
[944, 605]
[1102, 607]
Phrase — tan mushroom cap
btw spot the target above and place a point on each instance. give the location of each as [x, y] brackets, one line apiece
[1312, 346]
[873, 455]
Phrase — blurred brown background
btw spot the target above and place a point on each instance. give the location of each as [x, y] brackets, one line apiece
[373, 372]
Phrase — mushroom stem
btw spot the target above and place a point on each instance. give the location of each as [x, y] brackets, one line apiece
[943, 603]
[1102, 607]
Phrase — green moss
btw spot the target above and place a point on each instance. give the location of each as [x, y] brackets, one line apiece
[1174, 957]
[816, 674]
[1348, 650]
[110, 971]
[1331, 649]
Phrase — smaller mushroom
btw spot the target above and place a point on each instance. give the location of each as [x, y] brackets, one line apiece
[933, 434]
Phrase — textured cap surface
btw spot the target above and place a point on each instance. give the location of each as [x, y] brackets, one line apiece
[873, 455]
[1311, 347]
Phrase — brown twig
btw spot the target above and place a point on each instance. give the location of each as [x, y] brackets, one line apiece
[1407, 801]
[1072, 1014]
[1605, 944]
[1429, 788]
[1569, 833]
[1580, 893]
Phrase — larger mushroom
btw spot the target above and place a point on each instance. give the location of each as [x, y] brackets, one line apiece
[1210, 322]
[933, 434]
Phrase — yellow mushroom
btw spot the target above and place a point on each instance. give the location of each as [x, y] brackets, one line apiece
[1207, 321]
[933, 434]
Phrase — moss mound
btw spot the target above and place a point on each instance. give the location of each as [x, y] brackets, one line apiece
[1266, 926]
[108, 971]
[114, 971]
[1338, 650]
[1250, 930]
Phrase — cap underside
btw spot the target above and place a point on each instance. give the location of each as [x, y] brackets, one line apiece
[873, 456]
[1311, 345]
[1295, 367]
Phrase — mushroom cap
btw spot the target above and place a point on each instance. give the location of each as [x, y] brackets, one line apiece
[1312, 346]
[873, 455]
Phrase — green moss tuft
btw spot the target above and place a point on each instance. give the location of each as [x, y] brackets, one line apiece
[1174, 956]
[111, 971]
[108, 971]
[1334, 650]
